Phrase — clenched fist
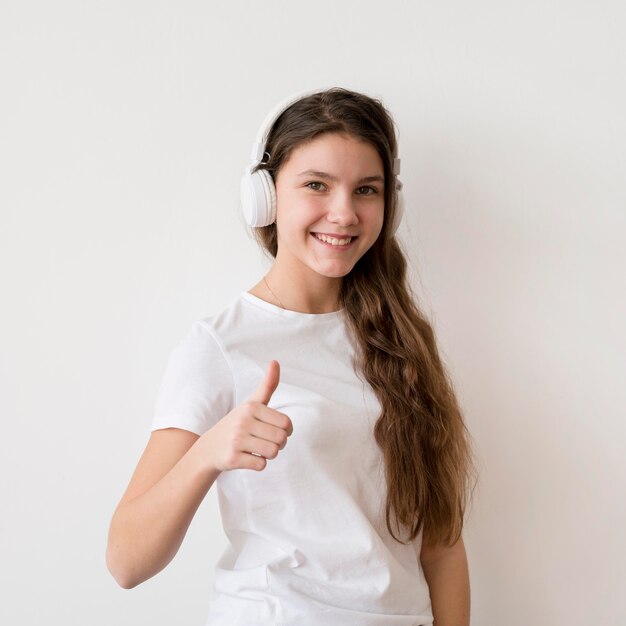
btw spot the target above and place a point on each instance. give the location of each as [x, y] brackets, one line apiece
[251, 433]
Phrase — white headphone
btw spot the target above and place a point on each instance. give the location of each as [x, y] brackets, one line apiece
[258, 193]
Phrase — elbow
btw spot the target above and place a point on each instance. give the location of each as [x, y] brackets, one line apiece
[123, 577]
[125, 583]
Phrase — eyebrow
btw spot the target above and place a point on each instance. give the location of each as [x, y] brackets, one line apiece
[367, 179]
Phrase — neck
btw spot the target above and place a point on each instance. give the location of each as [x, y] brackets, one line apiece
[288, 294]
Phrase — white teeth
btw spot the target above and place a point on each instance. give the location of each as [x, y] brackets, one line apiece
[333, 241]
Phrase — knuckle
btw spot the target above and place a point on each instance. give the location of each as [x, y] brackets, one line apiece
[231, 458]
[239, 428]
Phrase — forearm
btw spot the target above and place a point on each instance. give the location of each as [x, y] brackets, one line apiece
[147, 531]
[448, 582]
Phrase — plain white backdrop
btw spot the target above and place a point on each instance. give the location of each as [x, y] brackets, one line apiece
[124, 130]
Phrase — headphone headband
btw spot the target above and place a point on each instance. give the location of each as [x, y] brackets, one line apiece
[258, 148]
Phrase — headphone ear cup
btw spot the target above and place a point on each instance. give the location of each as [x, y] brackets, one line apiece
[399, 210]
[258, 198]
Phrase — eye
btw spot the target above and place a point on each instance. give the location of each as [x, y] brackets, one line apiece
[314, 183]
[371, 192]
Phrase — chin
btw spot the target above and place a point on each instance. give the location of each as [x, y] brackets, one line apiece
[338, 273]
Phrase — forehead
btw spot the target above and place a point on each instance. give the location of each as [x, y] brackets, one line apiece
[335, 150]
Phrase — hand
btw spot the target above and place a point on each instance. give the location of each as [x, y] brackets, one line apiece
[251, 427]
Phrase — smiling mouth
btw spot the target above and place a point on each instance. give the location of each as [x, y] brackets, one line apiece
[335, 242]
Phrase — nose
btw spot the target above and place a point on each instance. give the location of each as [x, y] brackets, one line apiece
[343, 209]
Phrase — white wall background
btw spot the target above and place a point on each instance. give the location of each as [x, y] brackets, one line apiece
[124, 128]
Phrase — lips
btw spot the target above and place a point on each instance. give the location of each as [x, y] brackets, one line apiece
[332, 246]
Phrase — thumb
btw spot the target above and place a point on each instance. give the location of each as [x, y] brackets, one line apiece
[265, 390]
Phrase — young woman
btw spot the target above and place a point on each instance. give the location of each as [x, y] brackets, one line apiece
[317, 401]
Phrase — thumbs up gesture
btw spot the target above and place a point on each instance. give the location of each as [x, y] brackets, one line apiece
[251, 433]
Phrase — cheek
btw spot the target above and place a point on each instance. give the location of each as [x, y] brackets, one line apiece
[376, 217]
[298, 211]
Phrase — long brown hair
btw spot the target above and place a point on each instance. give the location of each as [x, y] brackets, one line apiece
[429, 466]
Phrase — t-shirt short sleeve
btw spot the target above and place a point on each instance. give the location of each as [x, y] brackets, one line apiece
[197, 389]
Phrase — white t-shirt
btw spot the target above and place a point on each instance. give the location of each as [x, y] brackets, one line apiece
[308, 539]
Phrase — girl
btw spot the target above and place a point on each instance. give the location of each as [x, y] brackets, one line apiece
[317, 401]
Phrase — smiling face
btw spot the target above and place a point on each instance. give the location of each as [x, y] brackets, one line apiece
[333, 186]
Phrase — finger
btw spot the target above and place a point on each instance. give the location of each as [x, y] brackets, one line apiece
[271, 431]
[265, 390]
[260, 447]
[248, 460]
[267, 415]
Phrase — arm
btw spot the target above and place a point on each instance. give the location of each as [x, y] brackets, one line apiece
[447, 574]
[177, 470]
[149, 524]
